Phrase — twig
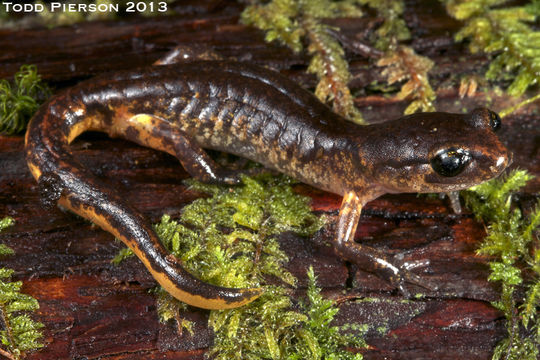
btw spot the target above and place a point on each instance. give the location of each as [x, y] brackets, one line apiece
[7, 354]
[511, 109]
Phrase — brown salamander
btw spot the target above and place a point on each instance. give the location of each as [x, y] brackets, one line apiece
[257, 114]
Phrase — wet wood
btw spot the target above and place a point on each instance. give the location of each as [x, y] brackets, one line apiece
[93, 309]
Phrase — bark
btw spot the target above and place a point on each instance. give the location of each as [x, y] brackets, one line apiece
[92, 309]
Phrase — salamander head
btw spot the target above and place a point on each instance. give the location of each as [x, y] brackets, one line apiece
[436, 152]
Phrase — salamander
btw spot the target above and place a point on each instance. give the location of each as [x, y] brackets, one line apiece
[261, 115]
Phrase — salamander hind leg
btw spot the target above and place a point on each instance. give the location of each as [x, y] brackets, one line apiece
[366, 257]
[160, 134]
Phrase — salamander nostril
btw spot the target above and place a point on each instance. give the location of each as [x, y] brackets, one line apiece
[502, 163]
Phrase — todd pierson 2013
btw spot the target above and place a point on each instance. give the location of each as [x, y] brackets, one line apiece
[131, 6]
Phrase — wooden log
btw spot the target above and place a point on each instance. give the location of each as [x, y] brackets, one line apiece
[93, 309]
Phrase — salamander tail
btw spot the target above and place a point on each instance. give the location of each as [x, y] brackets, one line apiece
[62, 179]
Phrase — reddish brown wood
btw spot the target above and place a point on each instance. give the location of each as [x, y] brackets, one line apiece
[93, 309]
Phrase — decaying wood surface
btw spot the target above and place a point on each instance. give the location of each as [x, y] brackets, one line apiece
[92, 309]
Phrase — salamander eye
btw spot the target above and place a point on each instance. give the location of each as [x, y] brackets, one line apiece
[494, 120]
[450, 162]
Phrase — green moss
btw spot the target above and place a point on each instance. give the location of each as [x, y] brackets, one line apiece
[323, 340]
[229, 239]
[382, 330]
[19, 334]
[512, 240]
[393, 29]
[504, 32]
[404, 65]
[292, 21]
[20, 100]
[122, 255]
[252, 215]
[5, 250]
[5, 223]
[247, 254]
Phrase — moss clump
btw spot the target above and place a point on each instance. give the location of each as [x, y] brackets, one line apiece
[393, 29]
[229, 239]
[403, 64]
[504, 32]
[20, 100]
[19, 334]
[513, 241]
[5, 250]
[324, 340]
[292, 21]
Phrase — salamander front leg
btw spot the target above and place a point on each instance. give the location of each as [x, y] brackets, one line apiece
[365, 257]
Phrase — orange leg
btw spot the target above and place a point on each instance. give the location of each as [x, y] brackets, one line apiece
[366, 257]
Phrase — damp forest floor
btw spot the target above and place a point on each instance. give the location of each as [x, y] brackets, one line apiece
[93, 309]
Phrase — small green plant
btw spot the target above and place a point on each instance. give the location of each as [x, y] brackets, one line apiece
[513, 242]
[5, 250]
[504, 32]
[291, 21]
[324, 340]
[393, 29]
[20, 100]
[404, 64]
[229, 239]
[19, 334]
